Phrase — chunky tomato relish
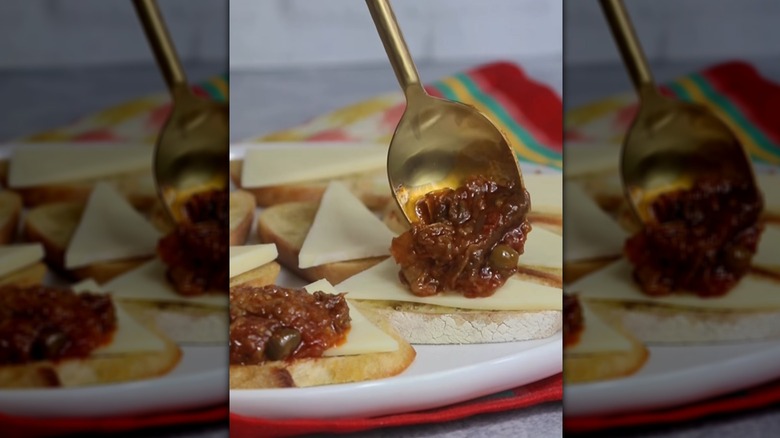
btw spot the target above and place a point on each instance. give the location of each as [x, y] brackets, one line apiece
[196, 252]
[45, 323]
[467, 239]
[701, 240]
[275, 323]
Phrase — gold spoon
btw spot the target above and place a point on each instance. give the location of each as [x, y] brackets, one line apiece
[437, 143]
[670, 144]
[192, 149]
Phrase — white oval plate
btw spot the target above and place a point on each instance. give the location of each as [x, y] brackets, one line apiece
[198, 380]
[677, 375]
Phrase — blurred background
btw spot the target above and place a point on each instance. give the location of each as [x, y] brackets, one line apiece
[678, 37]
[61, 60]
[291, 60]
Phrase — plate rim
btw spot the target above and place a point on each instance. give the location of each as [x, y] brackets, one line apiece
[17, 402]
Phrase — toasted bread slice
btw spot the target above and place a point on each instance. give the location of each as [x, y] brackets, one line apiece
[427, 324]
[28, 276]
[326, 370]
[138, 187]
[604, 366]
[260, 276]
[53, 226]
[94, 370]
[10, 209]
[678, 325]
[363, 185]
[286, 225]
[603, 351]
[242, 214]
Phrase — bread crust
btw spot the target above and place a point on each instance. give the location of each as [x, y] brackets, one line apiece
[92, 370]
[361, 185]
[242, 214]
[260, 276]
[28, 276]
[659, 324]
[326, 370]
[135, 186]
[286, 226]
[53, 226]
[10, 210]
[585, 368]
[436, 325]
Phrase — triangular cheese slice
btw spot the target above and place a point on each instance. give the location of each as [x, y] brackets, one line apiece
[768, 254]
[543, 249]
[148, 283]
[52, 163]
[343, 229]
[130, 335]
[363, 337]
[381, 282]
[18, 256]
[588, 231]
[597, 336]
[546, 191]
[110, 229]
[289, 163]
[615, 283]
[247, 257]
[769, 183]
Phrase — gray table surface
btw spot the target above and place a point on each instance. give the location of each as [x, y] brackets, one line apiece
[265, 102]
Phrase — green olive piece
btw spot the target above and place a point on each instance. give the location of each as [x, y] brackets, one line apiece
[503, 257]
[738, 258]
[53, 343]
[282, 344]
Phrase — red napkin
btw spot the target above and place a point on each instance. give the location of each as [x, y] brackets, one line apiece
[757, 397]
[15, 426]
[547, 390]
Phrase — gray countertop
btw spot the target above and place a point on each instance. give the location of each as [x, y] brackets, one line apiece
[265, 102]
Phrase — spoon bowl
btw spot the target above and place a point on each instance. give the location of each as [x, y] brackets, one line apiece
[689, 143]
[671, 144]
[192, 148]
[438, 143]
[441, 144]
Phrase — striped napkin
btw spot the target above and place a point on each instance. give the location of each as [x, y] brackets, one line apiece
[529, 113]
[138, 120]
[735, 91]
[750, 105]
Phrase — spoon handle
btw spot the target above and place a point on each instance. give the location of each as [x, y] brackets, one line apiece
[627, 42]
[160, 40]
[395, 46]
